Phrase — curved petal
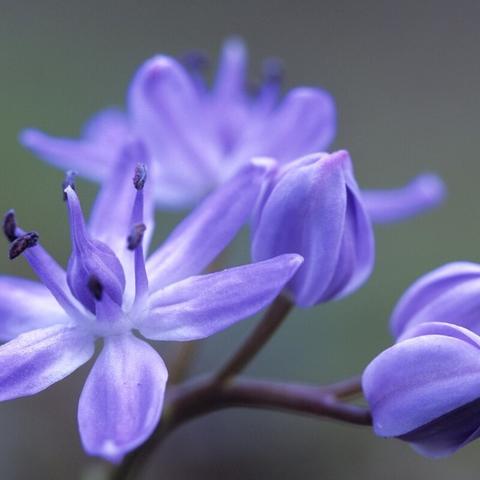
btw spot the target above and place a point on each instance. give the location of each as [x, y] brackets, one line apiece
[25, 306]
[305, 122]
[93, 155]
[199, 238]
[420, 379]
[37, 359]
[423, 193]
[122, 399]
[165, 109]
[201, 306]
[305, 214]
[447, 294]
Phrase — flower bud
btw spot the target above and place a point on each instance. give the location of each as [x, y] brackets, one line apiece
[314, 209]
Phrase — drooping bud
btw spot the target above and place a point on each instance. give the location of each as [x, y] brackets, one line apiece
[449, 294]
[10, 226]
[314, 209]
[140, 176]
[21, 243]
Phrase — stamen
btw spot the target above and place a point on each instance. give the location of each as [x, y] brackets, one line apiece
[273, 71]
[69, 182]
[195, 61]
[95, 287]
[21, 243]
[140, 176]
[10, 226]
[136, 236]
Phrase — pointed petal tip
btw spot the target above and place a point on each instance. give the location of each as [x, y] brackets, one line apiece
[29, 137]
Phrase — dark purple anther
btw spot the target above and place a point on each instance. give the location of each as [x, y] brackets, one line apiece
[10, 226]
[96, 287]
[21, 243]
[136, 236]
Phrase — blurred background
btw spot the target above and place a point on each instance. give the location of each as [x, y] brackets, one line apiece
[406, 79]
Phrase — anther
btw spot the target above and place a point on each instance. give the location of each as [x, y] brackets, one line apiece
[10, 226]
[95, 287]
[140, 176]
[195, 61]
[136, 236]
[68, 182]
[21, 243]
[273, 71]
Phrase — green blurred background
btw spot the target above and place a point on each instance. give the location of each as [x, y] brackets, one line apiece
[405, 76]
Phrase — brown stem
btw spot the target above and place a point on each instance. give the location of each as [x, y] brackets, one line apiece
[194, 399]
[273, 318]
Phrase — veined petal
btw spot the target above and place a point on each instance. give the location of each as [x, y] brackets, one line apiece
[37, 359]
[447, 294]
[25, 306]
[123, 397]
[423, 193]
[93, 155]
[199, 238]
[198, 307]
[305, 214]
[420, 379]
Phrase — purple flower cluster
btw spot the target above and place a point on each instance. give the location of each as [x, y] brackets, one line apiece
[242, 156]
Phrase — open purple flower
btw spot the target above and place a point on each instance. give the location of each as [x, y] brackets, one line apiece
[425, 389]
[314, 207]
[449, 294]
[198, 137]
[109, 291]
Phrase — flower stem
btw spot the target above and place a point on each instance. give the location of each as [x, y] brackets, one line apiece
[199, 398]
[273, 318]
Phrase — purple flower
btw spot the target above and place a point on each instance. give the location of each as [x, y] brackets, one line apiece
[425, 390]
[448, 294]
[109, 291]
[198, 137]
[314, 207]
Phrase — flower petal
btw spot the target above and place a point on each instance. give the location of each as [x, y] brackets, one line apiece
[305, 213]
[122, 399]
[305, 122]
[450, 294]
[165, 108]
[37, 359]
[93, 155]
[25, 306]
[203, 305]
[423, 193]
[420, 379]
[199, 238]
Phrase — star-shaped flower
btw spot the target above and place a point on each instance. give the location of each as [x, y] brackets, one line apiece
[110, 292]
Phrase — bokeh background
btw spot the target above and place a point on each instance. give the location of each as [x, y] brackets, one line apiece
[406, 78]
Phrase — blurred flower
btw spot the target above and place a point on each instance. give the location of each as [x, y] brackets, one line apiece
[425, 390]
[449, 294]
[109, 291]
[314, 208]
[198, 137]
